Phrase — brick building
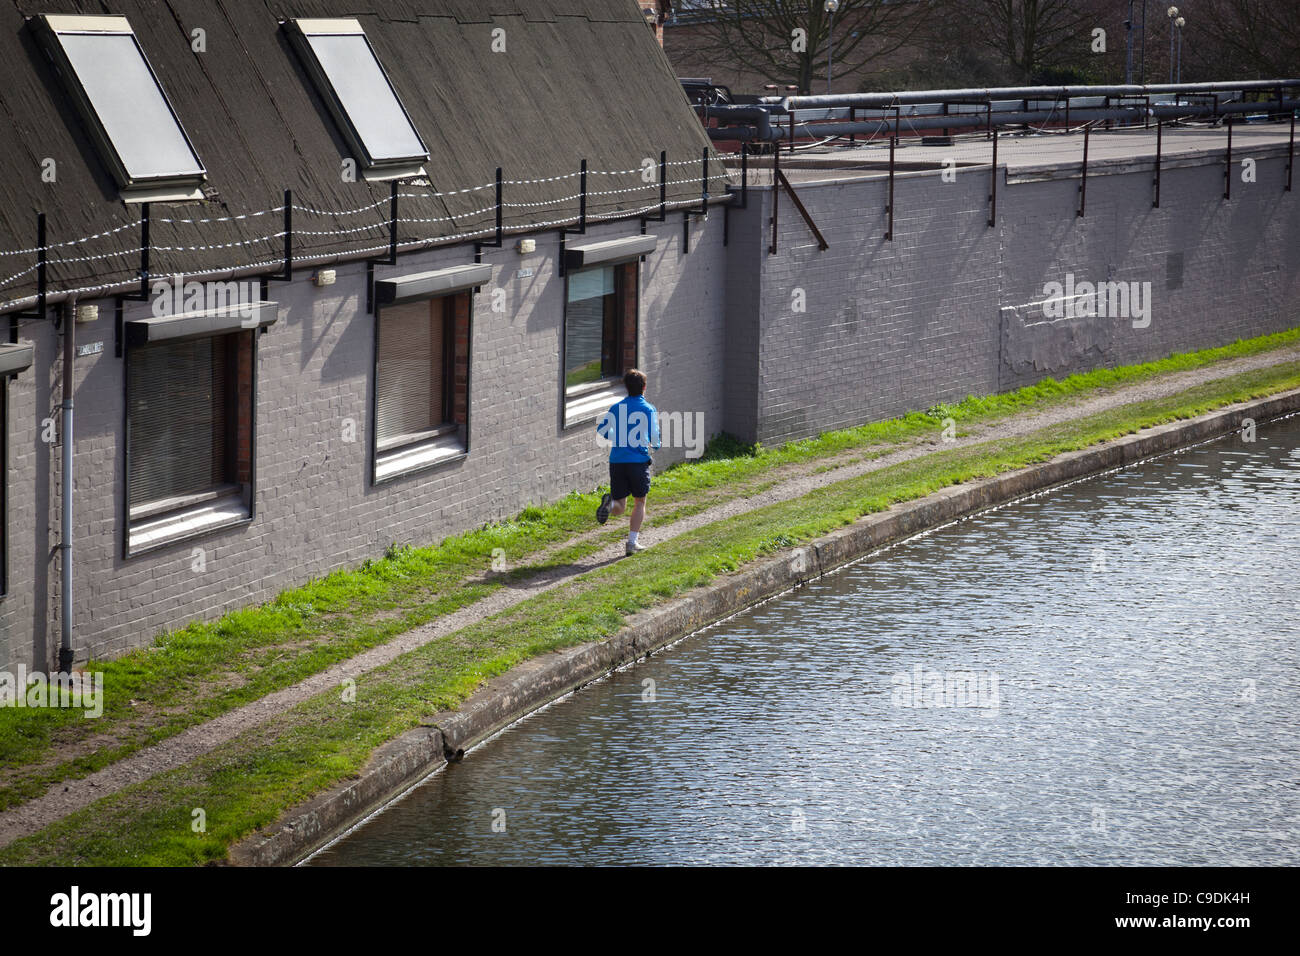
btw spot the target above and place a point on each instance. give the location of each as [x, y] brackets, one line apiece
[375, 339]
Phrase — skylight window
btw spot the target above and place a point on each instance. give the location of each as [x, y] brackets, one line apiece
[353, 83]
[125, 108]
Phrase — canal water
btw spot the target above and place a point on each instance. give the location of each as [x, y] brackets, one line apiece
[1103, 674]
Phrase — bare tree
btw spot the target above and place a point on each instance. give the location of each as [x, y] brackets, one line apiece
[1029, 35]
[1257, 39]
[788, 41]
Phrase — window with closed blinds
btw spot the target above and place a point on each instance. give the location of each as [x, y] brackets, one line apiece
[182, 418]
[412, 380]
[591, 327]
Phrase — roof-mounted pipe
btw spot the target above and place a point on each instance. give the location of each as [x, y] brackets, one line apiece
[885, 100]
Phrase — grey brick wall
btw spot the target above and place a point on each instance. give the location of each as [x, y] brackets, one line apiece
[32, 465]
[888, 326]
[316, 509]
[746, 254]
[939, 313]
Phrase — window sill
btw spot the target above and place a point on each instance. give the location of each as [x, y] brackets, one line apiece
[587, 404]
[167, 506]
[411, 458]
[400, 442]
[155, 532]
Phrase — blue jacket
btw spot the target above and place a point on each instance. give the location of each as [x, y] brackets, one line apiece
[633, 427]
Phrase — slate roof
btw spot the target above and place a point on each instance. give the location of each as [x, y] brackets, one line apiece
[579, 79]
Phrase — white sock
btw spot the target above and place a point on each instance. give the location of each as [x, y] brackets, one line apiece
[631, 537]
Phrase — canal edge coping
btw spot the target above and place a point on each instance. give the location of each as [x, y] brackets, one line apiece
[405, 761]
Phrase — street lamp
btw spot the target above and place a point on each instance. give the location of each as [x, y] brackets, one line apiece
[831, 6]
[1179, 23]
[1142, 59]
[1128, 56]
[1173, 18]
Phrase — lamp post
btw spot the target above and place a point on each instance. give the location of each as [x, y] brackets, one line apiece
[1179, 23]
[1142, 57]
[1128, 56]
[1173, 18]
[831, 6]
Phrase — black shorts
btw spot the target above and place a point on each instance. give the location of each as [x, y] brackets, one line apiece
[629, 477]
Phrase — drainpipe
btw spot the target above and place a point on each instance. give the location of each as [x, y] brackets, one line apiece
[65, 543]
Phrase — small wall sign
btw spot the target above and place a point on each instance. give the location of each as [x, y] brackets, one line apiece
[90, 348]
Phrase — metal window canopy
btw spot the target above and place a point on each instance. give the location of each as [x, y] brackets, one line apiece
[133, 106]
[15, 359]
[425, 285]
[609, 252]
[192, 325]
[376, 166]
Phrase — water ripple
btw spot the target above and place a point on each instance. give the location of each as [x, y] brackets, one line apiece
[1103, 675]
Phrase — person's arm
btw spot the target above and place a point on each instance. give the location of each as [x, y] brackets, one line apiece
[605, 423]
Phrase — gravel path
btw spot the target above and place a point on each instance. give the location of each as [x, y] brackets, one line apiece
[69, 796]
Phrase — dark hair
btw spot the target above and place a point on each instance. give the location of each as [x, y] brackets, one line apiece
[634, 379]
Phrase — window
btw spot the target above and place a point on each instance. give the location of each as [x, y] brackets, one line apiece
[599, 338]
[350, 78]
[591, 328]
[124, 107]
[190, 437]
[421, 384]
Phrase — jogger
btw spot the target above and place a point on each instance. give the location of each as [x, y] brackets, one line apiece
[632, 426]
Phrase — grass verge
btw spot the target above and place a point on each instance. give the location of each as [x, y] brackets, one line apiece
[248, 782]
[205, 669]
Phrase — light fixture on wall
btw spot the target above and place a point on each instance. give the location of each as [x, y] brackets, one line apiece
[526, 246]
[324, 277]
[87, 313]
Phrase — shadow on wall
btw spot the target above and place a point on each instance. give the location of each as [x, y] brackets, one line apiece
[343, 359]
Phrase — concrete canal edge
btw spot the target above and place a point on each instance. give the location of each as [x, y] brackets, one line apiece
[402, 763]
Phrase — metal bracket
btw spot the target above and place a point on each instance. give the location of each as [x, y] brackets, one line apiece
[743, 193]
[566, 231]
[1290, 154]
[889, 232]
[391, 258]
[798, 204]
[1160, 129]
[993, 183]
[704, 203]
[1227, 168]
[42, 288]
[776, 197]
[662, 215]
[499, 241]
[140, 296]
[143, 294]
[285, 274]
[1083, 178]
